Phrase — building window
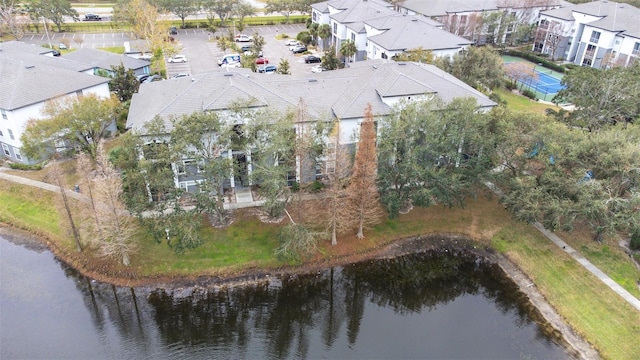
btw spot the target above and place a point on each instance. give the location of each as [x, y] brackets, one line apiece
[353, 37]
[314, 16]
[6, 150]
[586, 62]
[544, 24]
[591, 50]
[636, 49]
[4, 114]
[10, 134]
[16, 152]
[595, 36]
[335, 28]
[1, 134]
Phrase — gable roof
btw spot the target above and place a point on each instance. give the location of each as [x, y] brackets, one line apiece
[23, 83]
[104, 59]
[341, 93]
[410, 32]
[13, 47]
[444, 7]
[616, 17]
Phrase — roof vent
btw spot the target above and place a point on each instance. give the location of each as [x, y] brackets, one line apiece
[29, 66]
[313, 80]
[228, 74]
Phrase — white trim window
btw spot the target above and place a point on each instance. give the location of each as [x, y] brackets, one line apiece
[5, 148]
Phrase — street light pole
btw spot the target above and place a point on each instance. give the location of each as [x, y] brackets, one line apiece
[47, 32]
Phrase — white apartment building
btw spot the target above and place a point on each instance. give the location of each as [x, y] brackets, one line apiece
[598, 34]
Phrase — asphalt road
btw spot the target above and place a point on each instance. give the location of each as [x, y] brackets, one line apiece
[198, 45]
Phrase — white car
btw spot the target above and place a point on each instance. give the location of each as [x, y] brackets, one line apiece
[291, 42]
[294, 45]
[316, 69]
[178, 59]
[243, 38]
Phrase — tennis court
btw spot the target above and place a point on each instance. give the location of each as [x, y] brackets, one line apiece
[544, 82]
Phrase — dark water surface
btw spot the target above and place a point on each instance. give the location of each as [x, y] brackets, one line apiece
[427, 306]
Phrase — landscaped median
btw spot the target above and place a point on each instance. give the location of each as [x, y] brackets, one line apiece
[246, 247]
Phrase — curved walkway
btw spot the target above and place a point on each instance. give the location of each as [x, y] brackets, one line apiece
[632, 300]
[247, 201]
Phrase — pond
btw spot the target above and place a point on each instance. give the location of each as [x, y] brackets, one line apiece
[438, 304]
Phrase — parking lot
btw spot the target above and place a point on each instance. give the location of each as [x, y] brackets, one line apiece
[198, 45]
[202, 50]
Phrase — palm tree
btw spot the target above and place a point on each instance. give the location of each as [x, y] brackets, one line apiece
[348, 49]
[324, 32]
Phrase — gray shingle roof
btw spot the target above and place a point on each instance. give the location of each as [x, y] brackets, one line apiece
[23, 84]
[411, 32]
[443, 7]
[23, 48]
[359, 11]
[618, 17]
[564, 13]
[340, 93]
[105, 60]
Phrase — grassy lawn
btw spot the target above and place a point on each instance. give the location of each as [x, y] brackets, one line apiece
[598, 314]
[521, 103]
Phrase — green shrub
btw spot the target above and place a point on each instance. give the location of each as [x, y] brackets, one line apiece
[20, 166]
[530, 94]
[634, 244]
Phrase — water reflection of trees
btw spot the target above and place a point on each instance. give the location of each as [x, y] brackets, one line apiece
[283, 318]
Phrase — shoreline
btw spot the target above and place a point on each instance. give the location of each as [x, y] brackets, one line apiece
[577, 345]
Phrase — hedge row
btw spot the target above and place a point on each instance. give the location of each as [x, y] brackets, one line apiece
[536, 59]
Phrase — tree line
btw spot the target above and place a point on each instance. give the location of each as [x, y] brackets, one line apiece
[565, 169]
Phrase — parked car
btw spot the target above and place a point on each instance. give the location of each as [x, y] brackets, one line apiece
[292, 42]
[295, 44]
[246, 47]
[229, 60]
[62, 46]
[262, 61]
[243, 38]
[55, 52]
[92, 17]
[267, 69]
[299, 49]
[180, 75]
[152, 78]
[142, 77]
[310, 59]
[178, 59]
[317, 69]
[173, 30]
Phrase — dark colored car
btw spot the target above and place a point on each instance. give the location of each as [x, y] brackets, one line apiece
[152, 78]
[92, 17]
[173, 31]
[55, 52]
[246, 48]
[142, 77]
[310, 59]
[299, 49]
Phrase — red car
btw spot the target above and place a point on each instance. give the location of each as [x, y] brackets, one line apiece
[262, 61]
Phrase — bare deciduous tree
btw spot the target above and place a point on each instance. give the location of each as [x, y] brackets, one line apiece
[116, 224]
[337, 170]
[56, 173]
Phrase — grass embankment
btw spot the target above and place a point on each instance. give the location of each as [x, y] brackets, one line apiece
[598, 314]
[521, 103]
